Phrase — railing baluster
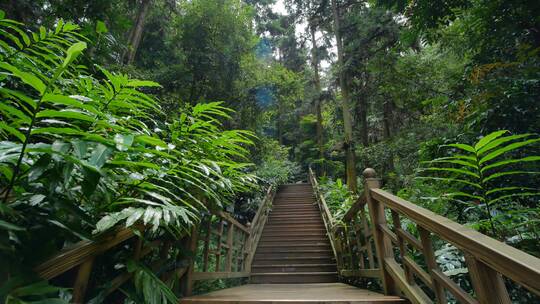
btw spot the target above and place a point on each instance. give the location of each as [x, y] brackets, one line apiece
[230, 243]
[81, 282]
[383, 244]
[402, 248]
[207, 239]
[218, 249]
[429, 257]
[488, 284]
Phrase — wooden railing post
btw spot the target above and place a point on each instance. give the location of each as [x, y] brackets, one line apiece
[429, 257]
[383, 244]
[187, 279]
[230, 244]
[488, 283]
[81, 282]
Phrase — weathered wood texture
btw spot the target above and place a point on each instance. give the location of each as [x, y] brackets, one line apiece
[320, 293]
[488, 260]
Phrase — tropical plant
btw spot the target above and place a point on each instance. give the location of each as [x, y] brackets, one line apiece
[483, 173]
[80, 153]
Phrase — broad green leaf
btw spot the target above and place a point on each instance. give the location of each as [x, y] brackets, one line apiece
[508, 148]
[154, 141]
[101, 28]
[463, 147]
[454, 161]
[488, 138]
[12, 131]
[27, 78]
[500, 174]
[142, 83]
[454, 170]
[123, 141]
[73, 52]
[465, 194]
[133, 164]
[69, 114]
[496, 190]
[99, 156]
[511, 161]
[499, 141]
[452, 180]
[7, 109]
[57, 131]
[521, 194]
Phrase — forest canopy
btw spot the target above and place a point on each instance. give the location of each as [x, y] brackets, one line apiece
[124, 113]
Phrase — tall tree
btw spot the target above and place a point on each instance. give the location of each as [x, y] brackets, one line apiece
[348, 143]
[137, 31]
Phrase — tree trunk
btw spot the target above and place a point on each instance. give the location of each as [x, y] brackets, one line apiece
[317, 85]
[136, 33]
[361, 114]
[345, 97]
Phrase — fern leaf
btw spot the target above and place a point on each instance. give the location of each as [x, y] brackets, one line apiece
[508, 148]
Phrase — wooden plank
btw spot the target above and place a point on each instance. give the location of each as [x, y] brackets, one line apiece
[515, 264]
[294, 293]
[402, 248]
[418, 271]
[383, 244]
[488, 284]
[81, 252]
[414, 293]
[453, 288]
[411, 240]
[361, 273]
[187, 281]
[389, 233]
[207, 239]
[230, 240]
[230, 219]
[199, 276]
[218, 249]
[81, 282]
[429, 258]
[353, 211]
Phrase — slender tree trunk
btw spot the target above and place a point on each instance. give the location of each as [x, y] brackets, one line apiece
[346, 108]
[136, 33]
[317, 85]
[361, 114]
[388, 108]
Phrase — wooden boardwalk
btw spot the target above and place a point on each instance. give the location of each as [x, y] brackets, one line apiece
[294, 293]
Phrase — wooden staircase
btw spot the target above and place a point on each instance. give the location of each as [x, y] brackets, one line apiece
[294, 247]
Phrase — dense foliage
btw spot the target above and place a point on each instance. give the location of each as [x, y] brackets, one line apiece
[419, 90]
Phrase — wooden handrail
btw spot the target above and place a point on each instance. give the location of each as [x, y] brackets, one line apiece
[515, 264]
[488, 260]
[82, 255]
[257, 226]
[326, 215]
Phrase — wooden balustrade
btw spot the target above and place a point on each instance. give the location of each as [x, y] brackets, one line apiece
[405, 261]
[233, 252]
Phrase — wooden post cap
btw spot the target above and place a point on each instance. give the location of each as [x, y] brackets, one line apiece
[369, 173]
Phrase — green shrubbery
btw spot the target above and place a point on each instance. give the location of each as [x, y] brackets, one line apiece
[82, 152]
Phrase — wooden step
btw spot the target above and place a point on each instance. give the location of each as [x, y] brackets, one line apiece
[316, 293]
[313, 212]
[279, 255]
[300, 218]
[293, 277]
[293, 252]
[292, 238]
[294, 268]
[269, 247]
[265, 260]
[318, 233]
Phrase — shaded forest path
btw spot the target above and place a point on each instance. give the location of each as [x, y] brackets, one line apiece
[294, 261]
[294, 251]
